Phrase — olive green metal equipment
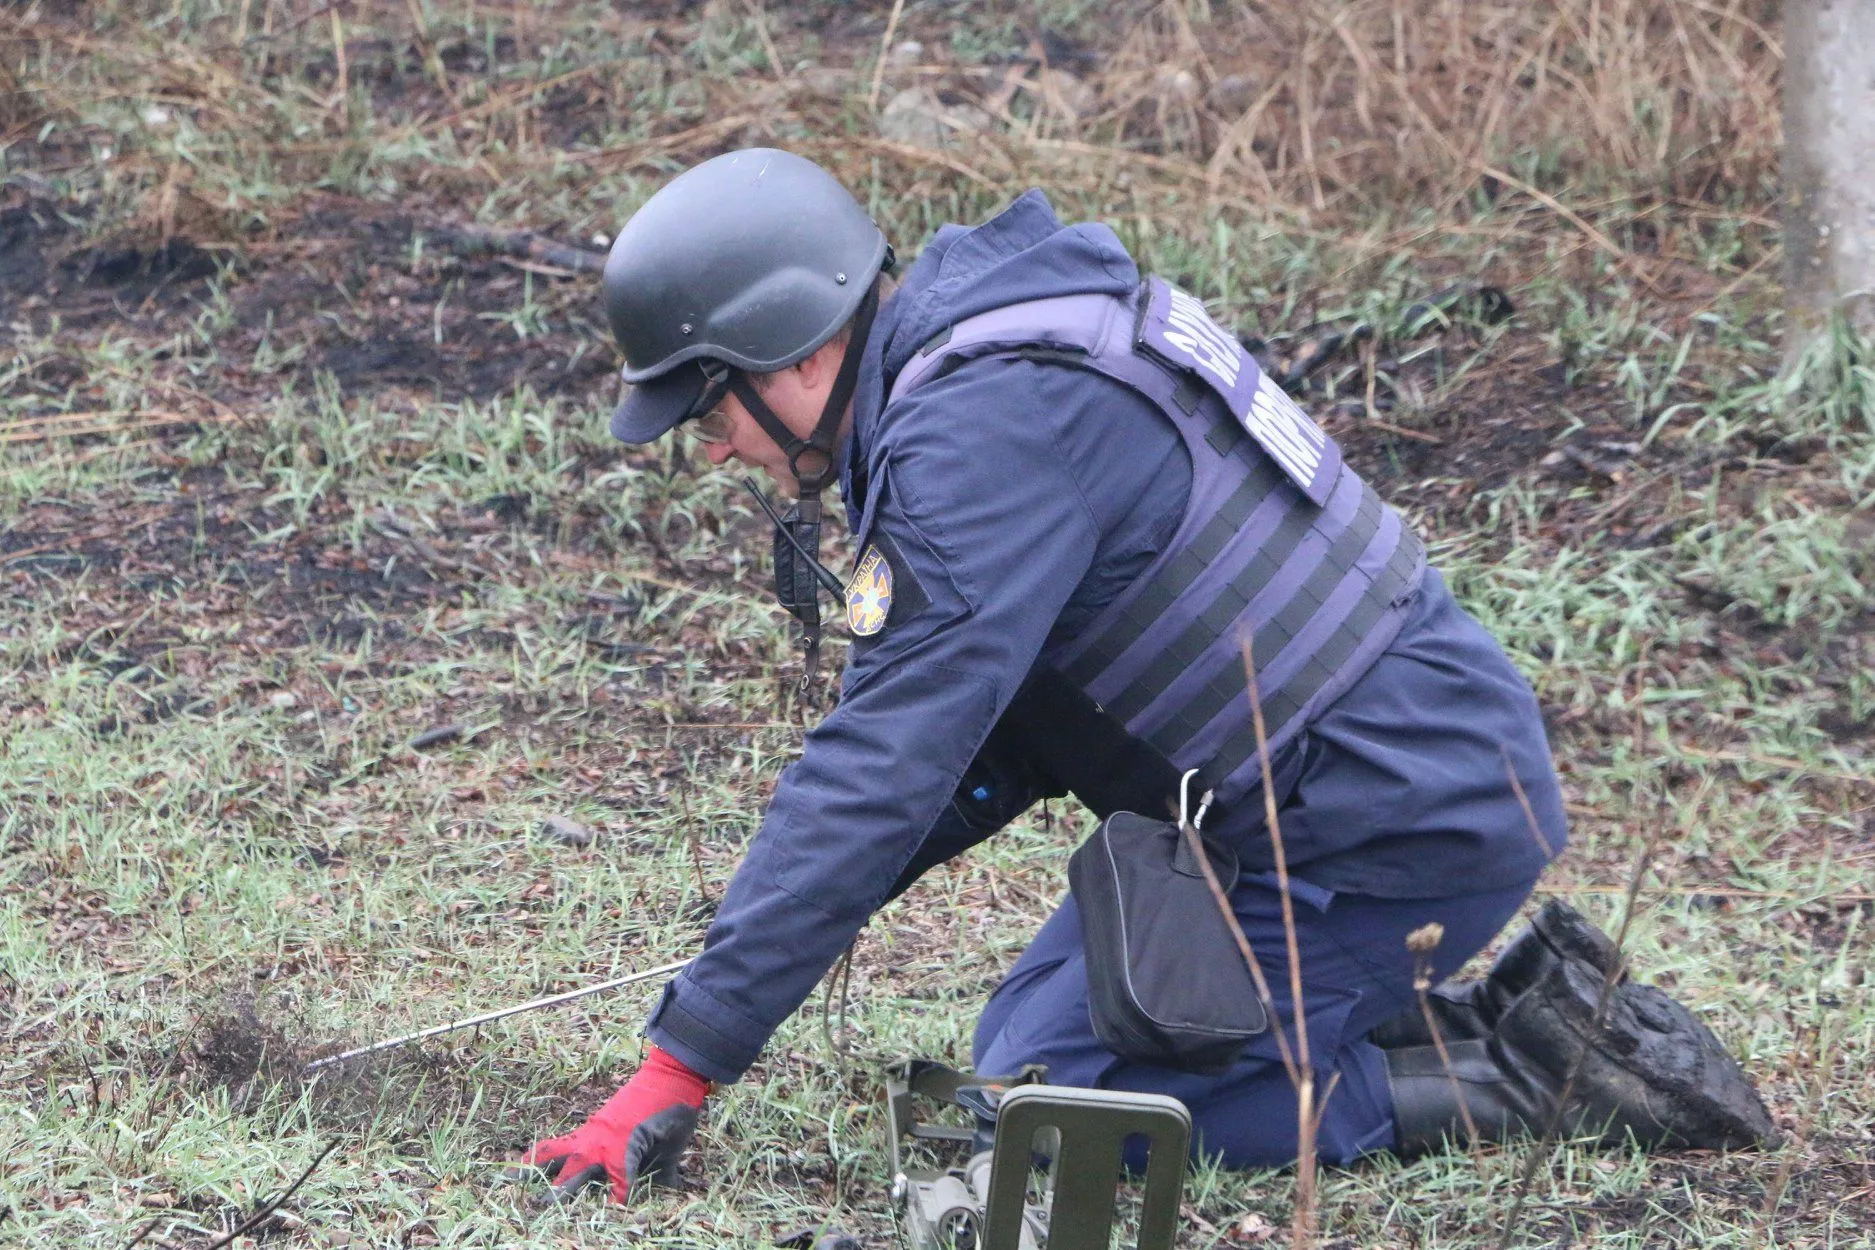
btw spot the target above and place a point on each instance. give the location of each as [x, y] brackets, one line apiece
[985, 1204]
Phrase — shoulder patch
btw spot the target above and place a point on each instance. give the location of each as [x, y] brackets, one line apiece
[869, 594]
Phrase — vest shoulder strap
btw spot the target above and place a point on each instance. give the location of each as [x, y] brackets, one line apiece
[1079, 326]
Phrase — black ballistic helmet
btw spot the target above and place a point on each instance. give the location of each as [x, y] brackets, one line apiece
[751, 260]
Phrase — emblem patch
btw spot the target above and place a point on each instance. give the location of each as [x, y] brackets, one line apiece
[869, 594]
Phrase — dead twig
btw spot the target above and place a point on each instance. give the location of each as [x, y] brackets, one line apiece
[261, 1215]
[1244, 949]
[140, 1237]
[140, 421]
[1595, 236]
[691, 838]
[1772, 761]
[885, 50]
[1846, 897]
[760, 17]
[277, 32]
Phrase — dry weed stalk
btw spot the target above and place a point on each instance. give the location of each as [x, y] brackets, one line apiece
[1540, 1149]
[1774, 1195]
[885, 51]
[1296, 1060]
[834, 1030]
[1308, 1119]
[1422, 942]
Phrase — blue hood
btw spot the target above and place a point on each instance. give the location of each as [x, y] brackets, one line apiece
[1022, 253]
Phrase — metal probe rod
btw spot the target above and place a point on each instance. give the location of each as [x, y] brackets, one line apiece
[487, 1016]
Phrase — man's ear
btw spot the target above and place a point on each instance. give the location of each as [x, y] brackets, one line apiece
[822, 364]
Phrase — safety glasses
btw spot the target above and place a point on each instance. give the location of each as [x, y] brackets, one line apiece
[710, 427]
[706, 422]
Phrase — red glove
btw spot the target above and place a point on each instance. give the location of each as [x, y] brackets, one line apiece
[639, 1133]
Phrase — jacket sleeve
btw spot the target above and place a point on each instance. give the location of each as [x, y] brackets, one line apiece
[996, 788]
[988, 536]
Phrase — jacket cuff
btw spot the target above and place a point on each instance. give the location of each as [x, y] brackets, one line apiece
[704, 1035]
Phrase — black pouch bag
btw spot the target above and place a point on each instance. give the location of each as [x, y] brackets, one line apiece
[1166, 982]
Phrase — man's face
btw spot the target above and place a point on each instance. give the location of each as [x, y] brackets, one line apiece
[797, 395]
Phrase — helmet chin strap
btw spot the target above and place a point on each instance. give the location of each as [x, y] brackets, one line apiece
[796, 558]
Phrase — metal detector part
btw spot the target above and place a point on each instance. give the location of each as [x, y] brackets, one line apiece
[941, 1208]
[984, 1204]
[1093, 1128]
[500, 1013]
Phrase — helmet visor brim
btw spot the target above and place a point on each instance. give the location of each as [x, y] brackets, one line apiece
[653, 408]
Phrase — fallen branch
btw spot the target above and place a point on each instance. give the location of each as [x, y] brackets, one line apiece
[523, 244]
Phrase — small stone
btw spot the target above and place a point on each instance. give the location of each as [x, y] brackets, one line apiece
[827, 80]
[1070, 92]
[914, 116]
[1253, 1228]
[907, 52]
[566, 832]
[284, 700]
[1233, 93]
[1181, 84]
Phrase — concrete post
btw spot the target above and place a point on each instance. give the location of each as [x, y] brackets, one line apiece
[1829, 166]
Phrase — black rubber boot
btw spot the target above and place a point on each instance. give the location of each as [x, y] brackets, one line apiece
[1470, 1009]
[1426, 1117]
[1651, 1072]
[1461, 1009]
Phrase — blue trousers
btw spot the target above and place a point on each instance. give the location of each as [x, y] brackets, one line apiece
[1356, 973]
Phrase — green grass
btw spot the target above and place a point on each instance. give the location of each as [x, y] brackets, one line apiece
[218, 852]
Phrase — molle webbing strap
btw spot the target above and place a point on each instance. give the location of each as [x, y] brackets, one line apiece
[1299, 689]
[1157, 596]
[1319, 587]
[1284, 705]
[1275, 633]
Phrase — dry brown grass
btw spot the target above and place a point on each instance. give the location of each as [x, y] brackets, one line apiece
[1324, 103]
[1318, 107]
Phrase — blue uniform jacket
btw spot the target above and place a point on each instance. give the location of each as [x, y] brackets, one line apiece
[1012, 499]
